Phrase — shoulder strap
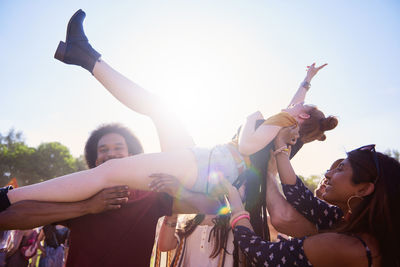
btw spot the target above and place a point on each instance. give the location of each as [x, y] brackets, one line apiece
[367, 250]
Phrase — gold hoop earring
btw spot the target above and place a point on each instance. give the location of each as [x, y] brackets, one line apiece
[349, 211]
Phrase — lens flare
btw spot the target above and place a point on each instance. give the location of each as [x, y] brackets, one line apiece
[224, 210]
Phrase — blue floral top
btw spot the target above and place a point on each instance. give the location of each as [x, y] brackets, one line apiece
[288, 252]
[317, 211]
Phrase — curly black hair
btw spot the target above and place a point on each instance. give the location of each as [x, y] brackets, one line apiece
[133, 143]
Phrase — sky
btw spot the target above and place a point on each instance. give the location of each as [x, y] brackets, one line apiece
[214, 62]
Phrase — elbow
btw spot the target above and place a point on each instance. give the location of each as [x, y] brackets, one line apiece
[246, 150]
[282, 220]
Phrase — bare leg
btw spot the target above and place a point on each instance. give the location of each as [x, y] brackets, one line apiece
[172, 134]
[133, 171]
[76, 50]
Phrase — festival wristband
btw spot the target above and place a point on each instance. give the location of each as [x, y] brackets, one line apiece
[237, 214]
[283, 149]
[239, 218]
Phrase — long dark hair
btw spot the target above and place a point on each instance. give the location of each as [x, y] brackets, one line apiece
[219, 232]
[378, 214]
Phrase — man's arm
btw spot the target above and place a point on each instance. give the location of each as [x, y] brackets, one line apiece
[29, 214]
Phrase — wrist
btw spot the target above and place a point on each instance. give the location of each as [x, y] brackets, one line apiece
[86, 207]
[306, 84]
[279, 143]
[236, 217]
[283, 149]
[170, 221]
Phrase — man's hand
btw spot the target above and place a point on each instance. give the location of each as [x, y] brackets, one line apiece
[166, 183]
[108, 199]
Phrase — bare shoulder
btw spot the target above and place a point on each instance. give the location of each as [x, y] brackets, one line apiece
[333, 249]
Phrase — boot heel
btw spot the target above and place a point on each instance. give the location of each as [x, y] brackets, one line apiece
[60, 52]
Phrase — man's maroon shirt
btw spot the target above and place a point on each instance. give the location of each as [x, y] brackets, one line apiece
[122, 237]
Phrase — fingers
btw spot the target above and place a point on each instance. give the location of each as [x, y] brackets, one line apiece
[312, 66]
[117, 201]
[162, 175]
[322, 66]
[163, 182]
[165, 185]
[112, 207]
[160, 181]
[116, 192]
[289, 135]
[118, 188]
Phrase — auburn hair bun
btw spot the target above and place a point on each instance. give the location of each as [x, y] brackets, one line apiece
[329, 123]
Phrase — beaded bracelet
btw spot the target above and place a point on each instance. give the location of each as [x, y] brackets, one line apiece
[283, 149]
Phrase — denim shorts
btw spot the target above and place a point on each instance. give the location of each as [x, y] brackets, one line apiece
[212, 164]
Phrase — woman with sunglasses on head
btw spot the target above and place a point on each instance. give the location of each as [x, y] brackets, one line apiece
[360, 229]
[192, 166]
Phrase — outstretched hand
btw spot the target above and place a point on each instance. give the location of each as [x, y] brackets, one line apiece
[108, 199]
[312, 71]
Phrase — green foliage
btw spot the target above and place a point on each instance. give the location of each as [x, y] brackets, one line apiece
[311, 182]
[393, 153]
[32, 165]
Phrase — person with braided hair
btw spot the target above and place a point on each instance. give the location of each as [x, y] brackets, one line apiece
[195, 238]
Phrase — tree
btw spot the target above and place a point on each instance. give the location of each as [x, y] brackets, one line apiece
[393, 153]
[15, 157]
[52, 160]
[311, 182]
[80, 164]
[31, 165]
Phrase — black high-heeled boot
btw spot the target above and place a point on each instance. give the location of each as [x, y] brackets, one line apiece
[76, 50]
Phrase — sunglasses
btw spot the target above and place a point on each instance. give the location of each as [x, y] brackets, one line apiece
[371, 148]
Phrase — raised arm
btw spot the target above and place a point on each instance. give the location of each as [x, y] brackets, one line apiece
[284, 218]
[317, 211]
[300, 94]
[252, 139]
[285, 169]
[42, 213]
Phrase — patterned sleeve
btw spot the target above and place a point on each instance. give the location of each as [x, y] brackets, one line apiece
[317, 211]
[263, 253]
